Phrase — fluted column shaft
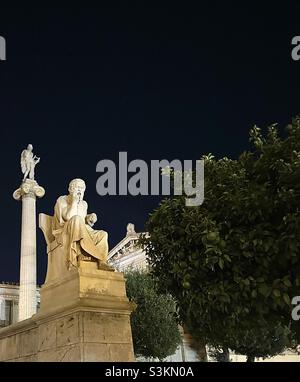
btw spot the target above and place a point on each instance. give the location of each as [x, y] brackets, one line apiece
[27, 301]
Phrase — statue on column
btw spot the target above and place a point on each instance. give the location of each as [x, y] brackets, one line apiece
[28, 162]
[28, 192]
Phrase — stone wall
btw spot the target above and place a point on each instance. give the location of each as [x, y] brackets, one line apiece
[84, 317]
[76, 336]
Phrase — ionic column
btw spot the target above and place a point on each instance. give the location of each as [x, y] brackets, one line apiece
[28, 192]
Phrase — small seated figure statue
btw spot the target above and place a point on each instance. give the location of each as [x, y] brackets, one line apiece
[72, 227]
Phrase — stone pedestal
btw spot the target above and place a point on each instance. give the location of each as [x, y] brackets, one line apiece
[84, 313]
[83, 317]
[28, 192]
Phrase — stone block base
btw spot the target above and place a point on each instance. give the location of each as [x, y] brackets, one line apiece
[93, 327]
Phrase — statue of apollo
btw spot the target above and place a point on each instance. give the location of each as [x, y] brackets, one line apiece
[28, 162]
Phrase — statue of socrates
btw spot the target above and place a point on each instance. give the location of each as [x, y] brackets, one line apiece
[72, 225]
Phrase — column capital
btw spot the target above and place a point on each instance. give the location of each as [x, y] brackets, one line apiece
[29, 188]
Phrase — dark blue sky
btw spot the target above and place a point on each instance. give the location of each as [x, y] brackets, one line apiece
[82, 84]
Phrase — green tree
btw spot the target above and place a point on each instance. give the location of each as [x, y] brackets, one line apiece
[233, 263]
[154, 324]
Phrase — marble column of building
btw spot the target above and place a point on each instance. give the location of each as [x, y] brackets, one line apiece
[27, 193]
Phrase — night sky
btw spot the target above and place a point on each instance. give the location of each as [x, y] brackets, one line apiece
[83, 84]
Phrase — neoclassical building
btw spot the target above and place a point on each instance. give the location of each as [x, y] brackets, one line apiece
[9, 302]
[127, 253]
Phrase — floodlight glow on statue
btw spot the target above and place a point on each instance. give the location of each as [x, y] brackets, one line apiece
[72, 225]
[28, 162]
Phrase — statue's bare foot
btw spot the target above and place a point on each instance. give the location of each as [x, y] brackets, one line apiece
[105, 267]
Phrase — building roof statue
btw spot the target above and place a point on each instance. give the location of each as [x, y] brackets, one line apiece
[130, 229]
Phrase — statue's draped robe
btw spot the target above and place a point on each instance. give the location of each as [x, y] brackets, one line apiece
[78, 237]
[27, 163]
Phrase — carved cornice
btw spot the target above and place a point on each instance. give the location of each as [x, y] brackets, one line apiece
[126, 245]
[29, 188]
[124, 248]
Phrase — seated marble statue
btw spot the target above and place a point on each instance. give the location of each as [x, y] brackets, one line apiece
[72, 227]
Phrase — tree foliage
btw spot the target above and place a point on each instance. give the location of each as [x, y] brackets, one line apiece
[233, 263]
[154, 324]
